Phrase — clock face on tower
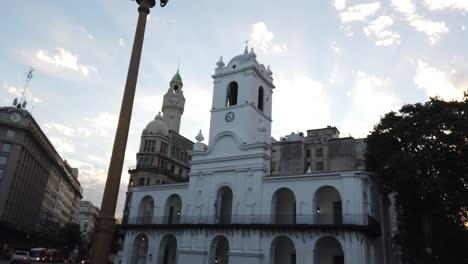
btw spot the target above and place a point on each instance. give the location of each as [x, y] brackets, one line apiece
[174, 100]
[229, 117]
[15, 117]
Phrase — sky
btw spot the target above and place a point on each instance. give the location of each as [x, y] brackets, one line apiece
[343, 63]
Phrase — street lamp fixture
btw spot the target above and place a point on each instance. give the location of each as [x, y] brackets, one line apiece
[105, 224]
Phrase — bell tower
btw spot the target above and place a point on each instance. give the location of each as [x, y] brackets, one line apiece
[242, 99]
[173, 103]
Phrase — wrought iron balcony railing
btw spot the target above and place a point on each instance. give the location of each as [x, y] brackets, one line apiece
[283, 219]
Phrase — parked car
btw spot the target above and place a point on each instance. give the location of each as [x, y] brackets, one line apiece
[54, 256]
[20, 257]
[37, 254]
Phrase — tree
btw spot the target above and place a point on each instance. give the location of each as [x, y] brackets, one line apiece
[421, 156]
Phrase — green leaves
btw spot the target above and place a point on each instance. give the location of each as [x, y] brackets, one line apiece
[421, 154]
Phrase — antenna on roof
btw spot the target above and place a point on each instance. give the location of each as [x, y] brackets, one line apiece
[22, 102]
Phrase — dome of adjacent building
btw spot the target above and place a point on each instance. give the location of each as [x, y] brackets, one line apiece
[157, 126]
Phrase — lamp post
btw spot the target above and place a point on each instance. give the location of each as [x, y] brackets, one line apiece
[105, 224]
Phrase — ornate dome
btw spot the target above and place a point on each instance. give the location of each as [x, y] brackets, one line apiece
[157, 126]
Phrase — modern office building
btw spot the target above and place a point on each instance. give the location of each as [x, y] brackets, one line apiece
[38, 190]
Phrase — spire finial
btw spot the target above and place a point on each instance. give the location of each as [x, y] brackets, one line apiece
[199, 137]
[178, 65]
[246, 50]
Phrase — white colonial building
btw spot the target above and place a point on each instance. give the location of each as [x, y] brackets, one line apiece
[238, 208]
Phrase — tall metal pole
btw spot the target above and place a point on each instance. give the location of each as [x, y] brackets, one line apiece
[106, 221]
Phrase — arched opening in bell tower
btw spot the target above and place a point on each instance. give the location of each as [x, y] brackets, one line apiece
[224, 205]
[176, 88]
[231, 94]
[260, 98]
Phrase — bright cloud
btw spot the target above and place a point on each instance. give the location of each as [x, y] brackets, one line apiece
[84, 131]
[19, 93]
[103, 123]
[339, 4]
[378, 28]
[262, 38]
[63, 146]
[122, 42]
[435, 82]
[360, 12]
[433, 29]
[62, 129]
[371, 99]
[301, 90]
[66, 60]
[459, 5]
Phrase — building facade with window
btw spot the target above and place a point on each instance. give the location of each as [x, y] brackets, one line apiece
[87, 220]
[251, 199]
[38, 190]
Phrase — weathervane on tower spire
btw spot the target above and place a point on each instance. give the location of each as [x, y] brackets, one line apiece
[246, 50]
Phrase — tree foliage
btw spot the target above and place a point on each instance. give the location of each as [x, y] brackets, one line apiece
[421, 156]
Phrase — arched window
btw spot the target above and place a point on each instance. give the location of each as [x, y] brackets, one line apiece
[260, 98]
[328, 250]
[168, 250]
[231, 95]
[140, 249]
[284, 206]
[283, 251]
[145, 210]
[219, 250]
[172, 210]
[327, 201]
[176, 88]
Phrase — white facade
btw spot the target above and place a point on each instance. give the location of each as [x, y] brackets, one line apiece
[233, 211]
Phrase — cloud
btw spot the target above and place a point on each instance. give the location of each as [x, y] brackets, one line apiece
[262, 38]
[89, 174]
[66, 60]
[299, 91]
[438, 5]
[335, 48]
[339, 4]
[63, 146]
[149, 103]
[360, 12]
[84, 131]
[371, 98]
[378, 28]
[433, 29]
[436, 83]
[103, 123]
[62, 129]
[16, 92]
[122, 42]
[87, 33]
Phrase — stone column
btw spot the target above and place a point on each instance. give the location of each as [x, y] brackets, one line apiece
[106, 221]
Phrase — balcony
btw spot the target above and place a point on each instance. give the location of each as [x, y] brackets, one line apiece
[315, 221]
[157, 170]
